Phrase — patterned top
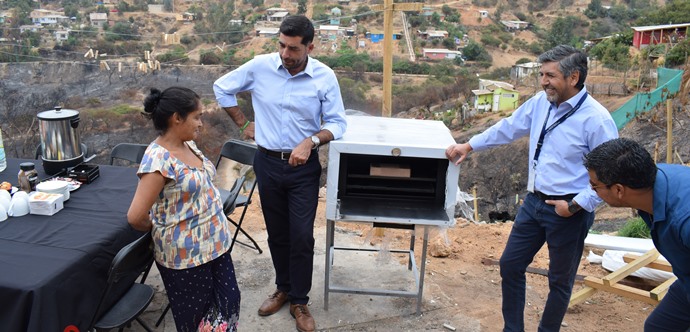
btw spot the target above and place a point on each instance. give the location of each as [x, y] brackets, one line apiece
[189, 226]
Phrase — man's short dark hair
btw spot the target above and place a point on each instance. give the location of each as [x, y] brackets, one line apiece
[622, 161]
[569, 60]
[298, 26]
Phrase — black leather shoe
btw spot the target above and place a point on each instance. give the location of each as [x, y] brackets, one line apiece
[273, 303]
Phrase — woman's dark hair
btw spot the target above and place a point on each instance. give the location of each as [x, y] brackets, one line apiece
[160, 106]
[298, 26]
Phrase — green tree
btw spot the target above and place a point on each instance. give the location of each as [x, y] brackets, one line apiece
[301, 7]
[678, 54]
[476, 52]
[562, 32]
[675, 11]
[595, 10]
[216, 27]
[613, 52]
[123, 31]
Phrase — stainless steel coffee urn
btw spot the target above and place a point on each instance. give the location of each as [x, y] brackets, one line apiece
[60, 143]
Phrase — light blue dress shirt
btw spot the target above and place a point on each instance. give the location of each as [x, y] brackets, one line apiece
[559, 170]
[287, 108]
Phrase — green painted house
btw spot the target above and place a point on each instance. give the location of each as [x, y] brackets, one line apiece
[495, 96]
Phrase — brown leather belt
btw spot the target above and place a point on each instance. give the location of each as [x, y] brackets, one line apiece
[275, 154]
[545, 197]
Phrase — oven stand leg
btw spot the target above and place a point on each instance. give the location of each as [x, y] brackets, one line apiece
[421, 269]
[330, 232]
[411, 258]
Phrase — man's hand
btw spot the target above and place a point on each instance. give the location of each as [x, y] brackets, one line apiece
[458, 151]
[301, 153]
[248, 132]
[561, 207]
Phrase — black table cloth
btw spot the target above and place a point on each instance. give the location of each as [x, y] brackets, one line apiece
[54, 268]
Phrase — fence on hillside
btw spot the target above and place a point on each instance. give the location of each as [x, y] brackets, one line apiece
[667, 87]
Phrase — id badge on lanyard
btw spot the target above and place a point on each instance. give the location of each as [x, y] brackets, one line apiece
[532, 175]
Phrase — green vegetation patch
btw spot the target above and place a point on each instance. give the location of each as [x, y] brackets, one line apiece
[635, 227]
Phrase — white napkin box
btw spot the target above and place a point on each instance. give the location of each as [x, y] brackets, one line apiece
[46, 204]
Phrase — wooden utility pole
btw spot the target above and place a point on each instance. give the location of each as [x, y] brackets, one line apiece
[388, 8]
[669, 131]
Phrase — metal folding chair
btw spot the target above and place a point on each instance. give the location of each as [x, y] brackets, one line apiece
[124, 299]
[243, 153]
[132, 152]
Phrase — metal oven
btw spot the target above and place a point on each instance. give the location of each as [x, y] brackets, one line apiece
[392, 173]
[392, 170]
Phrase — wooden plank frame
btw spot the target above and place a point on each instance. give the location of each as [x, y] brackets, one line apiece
[610, 283]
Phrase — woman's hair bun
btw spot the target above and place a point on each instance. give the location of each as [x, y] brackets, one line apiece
[151, 101]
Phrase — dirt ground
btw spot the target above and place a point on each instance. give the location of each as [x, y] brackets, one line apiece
[465, 284]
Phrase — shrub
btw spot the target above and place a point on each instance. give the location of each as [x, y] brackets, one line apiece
[635, 227]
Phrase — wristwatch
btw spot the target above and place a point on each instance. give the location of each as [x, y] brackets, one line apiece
[315, 139]
[573, 207]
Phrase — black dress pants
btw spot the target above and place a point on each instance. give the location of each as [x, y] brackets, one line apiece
[289, 197]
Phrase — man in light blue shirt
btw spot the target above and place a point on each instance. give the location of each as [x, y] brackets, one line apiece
[564, 124]
[297, 107]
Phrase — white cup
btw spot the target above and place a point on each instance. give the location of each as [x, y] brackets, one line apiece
[19, 206]
[5, 199]
[3, 213]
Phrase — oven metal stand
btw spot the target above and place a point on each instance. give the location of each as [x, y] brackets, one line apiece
[417, 272]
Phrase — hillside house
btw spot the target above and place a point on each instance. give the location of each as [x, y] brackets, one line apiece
[98, 19]
[32, 28]
[329, 32]
[433, 34]
[344, 2]
[335, 16]
[523, 71]
[61, 35]
[276, 14]
[495, 96]
[376, 37]
[659, 34]
[440, 53]
[47, 17]
[483, 14]
[268, 32]
[427, 11]
[156, 8]
[188, 17]
[5, 17]
[515, 25]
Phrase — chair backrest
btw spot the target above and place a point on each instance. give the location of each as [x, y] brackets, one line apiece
[129, 263]
[229, 197]
[239, 151]
[132, 152]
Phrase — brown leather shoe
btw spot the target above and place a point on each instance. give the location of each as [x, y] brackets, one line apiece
[273, 303]
[304, 320]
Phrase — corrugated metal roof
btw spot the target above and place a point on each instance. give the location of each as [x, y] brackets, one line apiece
[660, 27]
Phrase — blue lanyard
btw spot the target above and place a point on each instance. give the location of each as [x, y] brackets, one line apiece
[545, 130]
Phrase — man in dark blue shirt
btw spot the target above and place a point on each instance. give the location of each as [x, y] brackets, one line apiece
[623, 174]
